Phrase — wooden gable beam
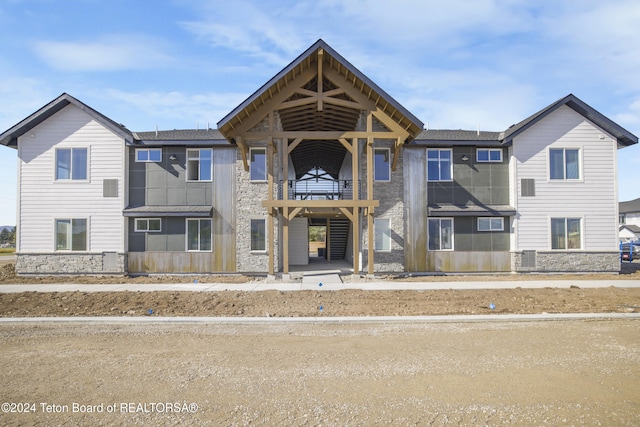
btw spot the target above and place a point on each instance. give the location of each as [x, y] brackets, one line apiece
[274, 103]
[244, 150]
[320, 55]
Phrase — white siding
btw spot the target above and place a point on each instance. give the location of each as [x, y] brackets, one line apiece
[43, 199]
[592, 198]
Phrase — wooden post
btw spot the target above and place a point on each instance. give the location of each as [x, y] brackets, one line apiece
[356, 211]
[370, 236]
[327, 241]
[285, 211]
[285, 241]
[270, 233]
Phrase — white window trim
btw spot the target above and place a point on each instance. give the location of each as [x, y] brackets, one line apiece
[138, 230]
[186, 234]
[490, 229]
[489, 151]
[387, 237]
[388, 164]
[450, 166]
[148, 150]
[70, 180]
[259, 251]
[266, 172]
[453, 235]
[187, 165]
[565, 217]
[565, 179]
[55, 235]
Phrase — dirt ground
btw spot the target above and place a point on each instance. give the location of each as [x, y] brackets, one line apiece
[497, 373]
[317, 303]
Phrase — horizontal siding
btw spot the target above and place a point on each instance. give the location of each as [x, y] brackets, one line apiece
[593, 198]
[43, 199]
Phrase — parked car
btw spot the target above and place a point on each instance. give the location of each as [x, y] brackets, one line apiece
[630, 250]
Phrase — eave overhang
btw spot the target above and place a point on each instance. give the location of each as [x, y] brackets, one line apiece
[383, 101]
[10, 136]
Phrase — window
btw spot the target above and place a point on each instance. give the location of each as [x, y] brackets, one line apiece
[489, 155]
[148, 154]
[490, 224]
[199, 162]
[258, 235]
[381, 165]
[440, 234]
[382, 240]
[198, 234]
[71, 164]
[148, 224]
[564, 163]
[565, 233]
[71, 235]
[439, 165]
[258, 165]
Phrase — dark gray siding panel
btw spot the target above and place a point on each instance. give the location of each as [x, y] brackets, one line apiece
[473, 182]
[468, 238]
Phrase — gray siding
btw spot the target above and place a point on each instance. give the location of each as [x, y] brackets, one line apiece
[468, 238]
[164, 183]
[476, 183]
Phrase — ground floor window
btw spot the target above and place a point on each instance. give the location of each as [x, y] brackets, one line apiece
[382, 234]
[71, 234]
[490, 224]
[440, 234]
[566, 233]
[258, 235]
[148, 224]
[198, 234]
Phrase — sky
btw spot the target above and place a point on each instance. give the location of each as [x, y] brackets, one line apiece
[455, 64]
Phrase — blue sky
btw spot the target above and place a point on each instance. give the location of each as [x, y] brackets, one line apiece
[454, 64]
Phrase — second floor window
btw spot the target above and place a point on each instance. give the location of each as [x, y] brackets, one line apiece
[564, 163]
[199, 164]
[258, 165]
[489, 155]
[148, 154]
[381, 165]
[71, 164]
[439, 165]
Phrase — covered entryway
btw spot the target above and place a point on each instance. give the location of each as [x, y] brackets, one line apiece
[317, 121]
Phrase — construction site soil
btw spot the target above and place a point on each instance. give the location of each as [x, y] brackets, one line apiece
[320, 303]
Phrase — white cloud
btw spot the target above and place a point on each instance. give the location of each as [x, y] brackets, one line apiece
[171, 110]
[109, 53]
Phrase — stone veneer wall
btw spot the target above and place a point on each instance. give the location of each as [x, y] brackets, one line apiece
[68, 263]
[249, 197]
[556, 261]
[390, 194]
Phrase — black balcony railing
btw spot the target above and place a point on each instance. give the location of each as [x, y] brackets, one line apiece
[318, 190]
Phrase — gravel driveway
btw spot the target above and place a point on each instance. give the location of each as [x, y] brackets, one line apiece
[525, 373]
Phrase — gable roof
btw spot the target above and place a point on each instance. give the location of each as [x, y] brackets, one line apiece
[630, 206]
[10, 136]
[622, 136]
[380, 97]
[631, 227]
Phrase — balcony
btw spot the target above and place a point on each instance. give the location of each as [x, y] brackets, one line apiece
[322, 189]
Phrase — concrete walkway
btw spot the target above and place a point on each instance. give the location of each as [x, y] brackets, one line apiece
[313, 283]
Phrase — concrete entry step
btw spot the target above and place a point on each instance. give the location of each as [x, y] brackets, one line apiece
[315, 278]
